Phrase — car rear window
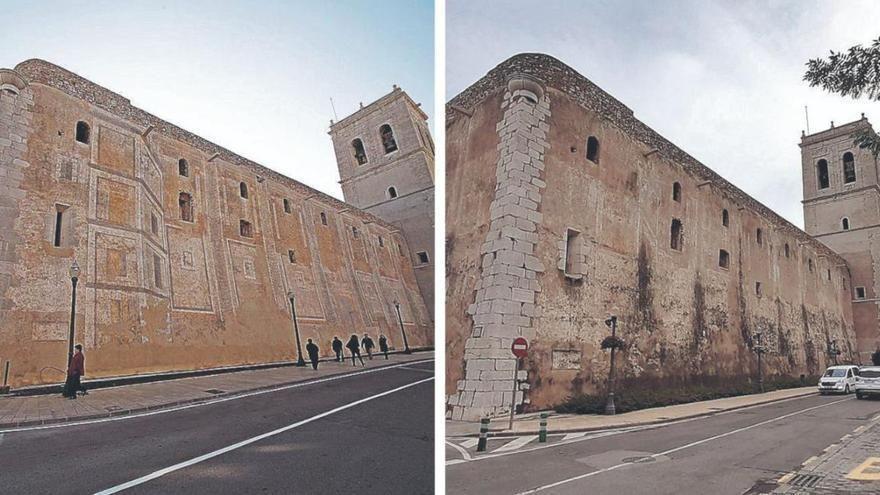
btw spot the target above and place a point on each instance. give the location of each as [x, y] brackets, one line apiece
[870, 374]
[836, 372]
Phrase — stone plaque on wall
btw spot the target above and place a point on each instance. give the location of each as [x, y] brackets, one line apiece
[566, 359]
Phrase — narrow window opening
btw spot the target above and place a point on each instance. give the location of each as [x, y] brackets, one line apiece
[845, 223]
[183, 167]
[83, 132]
[186, 207]
[571, 250]
[360, 155]
[676, 192]
[245, 228]
[392, 192]
[355, 232]
[399, 249]
[593, 149]
[388, 141]
[759, 237]
[59, 221]
[423, 257]
[675, 234]
[786, 250]
[849, 168]
[286, 205]
[243, 190]
[822, 173]
[291, 256]
[725, 218]
[323, 218]
[381, 242]
[154, 224]
[860, 292]
[810, 265]
[758, 289]
[157, 271]
[828, 273]
[723, 259]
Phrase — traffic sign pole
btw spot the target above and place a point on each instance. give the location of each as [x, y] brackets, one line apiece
[520, 349]
[513, 399]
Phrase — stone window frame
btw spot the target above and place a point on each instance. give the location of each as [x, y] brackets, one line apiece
[381, 241]
[860, 293]
[183, 167]
[186, 207]
[363, 149]
[391, 192]
[725, 218]
[243, 191]
[571, 248]
[285, 203]
[786, 250]
[245, 228]
[723, 259]
[83, 133]
[759, 289]
[58, 229]
[676, 235]
[820, 175]
[844, 223]
[676, 192]
[759, 236]
[291, 256]
[852, 164]
[423, 258]
[593, 151]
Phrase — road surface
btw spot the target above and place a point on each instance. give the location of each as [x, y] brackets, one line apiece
[369, 432]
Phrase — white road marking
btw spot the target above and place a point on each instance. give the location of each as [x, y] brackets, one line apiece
[572, 436]
[677, 449]
[616, 431]
[215, 401]
[469, 443]
[243, 443]
[516, 444]
[464, 454]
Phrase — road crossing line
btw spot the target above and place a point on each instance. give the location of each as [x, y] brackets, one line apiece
[572, 436]
[518, 443]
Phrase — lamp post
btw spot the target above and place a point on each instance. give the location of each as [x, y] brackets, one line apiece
[74, 278]
[610, 408]
[406, 349]
[299, 352]
[759, 350]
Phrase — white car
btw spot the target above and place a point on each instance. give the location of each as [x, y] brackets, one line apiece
[839, 379]
[868, 381]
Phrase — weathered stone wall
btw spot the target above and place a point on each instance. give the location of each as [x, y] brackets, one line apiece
[409, 170]
[683, 316]
[158, 292]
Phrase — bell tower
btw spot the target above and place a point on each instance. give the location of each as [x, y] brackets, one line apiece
[842, 209]
[385, 157]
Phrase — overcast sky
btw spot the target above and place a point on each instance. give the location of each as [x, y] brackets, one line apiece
[722, 80]
[253, 76]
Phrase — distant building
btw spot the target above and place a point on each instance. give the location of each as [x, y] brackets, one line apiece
[386, 163]
[564, 209]
[187, 250]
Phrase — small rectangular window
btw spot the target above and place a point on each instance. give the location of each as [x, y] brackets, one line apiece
[676, 237]
[291, 256]
[323, 218]
[572, 240]
[723, 259]
[355, 232]
[286, 205]
[154, 224]
[860, 292]
[157, 271]
[381, 242]
[245, 228]
[59, 221]
[423, 257]
[758, 289]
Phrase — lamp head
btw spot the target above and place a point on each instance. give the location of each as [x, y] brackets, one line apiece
[74, 270]
[611, 321]
[291, 295]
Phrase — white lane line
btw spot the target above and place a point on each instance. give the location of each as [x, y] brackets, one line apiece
[215, 401]
[676, 449]
[211, 455]
[464, 454]
[616, 431]
[516, 444]
[469, 443]
[572, 436]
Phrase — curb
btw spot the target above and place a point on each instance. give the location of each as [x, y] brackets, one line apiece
[56, 388]
[536, 431]
[170, 405]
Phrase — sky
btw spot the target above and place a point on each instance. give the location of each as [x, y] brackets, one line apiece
[723, 80]
[255, 77]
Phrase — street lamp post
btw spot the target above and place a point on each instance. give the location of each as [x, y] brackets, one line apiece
[406, 349]
[299, 352]
[610, 408]
[759, 350]
[74, 278]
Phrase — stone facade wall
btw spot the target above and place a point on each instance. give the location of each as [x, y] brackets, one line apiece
[602, 246]
[159, 292]
[409, 170]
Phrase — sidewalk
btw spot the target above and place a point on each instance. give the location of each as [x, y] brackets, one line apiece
[851, 466]
[527, 424]
[31, 410]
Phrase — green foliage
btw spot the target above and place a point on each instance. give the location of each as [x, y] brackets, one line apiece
[854, 73]
[635, 399]
[612, 342]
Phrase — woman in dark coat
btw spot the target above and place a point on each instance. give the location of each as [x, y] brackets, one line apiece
[383, 345]
[355, 348]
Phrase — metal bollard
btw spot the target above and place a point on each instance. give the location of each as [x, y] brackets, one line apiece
[542, 430]
[484, 432]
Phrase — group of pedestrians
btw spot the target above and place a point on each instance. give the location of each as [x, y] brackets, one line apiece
[354, 346]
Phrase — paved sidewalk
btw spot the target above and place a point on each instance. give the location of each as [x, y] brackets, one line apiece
[851, 466]
[527, 424]
[128, 399]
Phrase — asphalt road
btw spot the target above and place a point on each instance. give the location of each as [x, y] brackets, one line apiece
[332, 444]
[727, 454]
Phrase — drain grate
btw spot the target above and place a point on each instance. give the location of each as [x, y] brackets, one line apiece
[805, 480]
[215, 391]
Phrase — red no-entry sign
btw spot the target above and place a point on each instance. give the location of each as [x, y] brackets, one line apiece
[520, 347]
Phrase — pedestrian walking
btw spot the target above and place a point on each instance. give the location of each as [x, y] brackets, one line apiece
[337, 348]
[368, 344]
[354, 347]
[312, 350]
[75, 371]
[383, 345]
